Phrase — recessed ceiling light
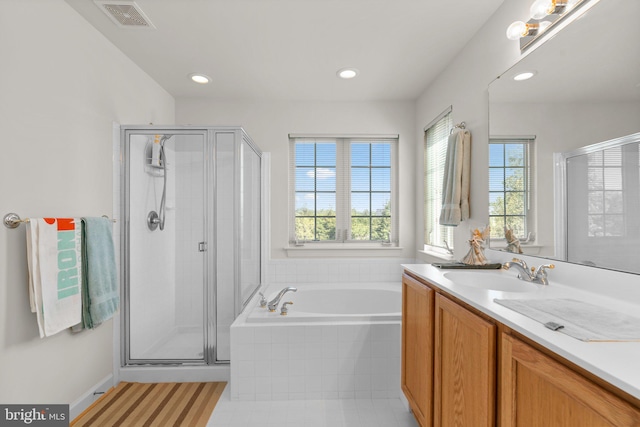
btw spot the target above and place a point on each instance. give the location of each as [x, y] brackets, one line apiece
[347, 73]
[524, 76]
[199, 78]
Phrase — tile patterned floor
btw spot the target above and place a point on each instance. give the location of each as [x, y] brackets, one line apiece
[311, 413]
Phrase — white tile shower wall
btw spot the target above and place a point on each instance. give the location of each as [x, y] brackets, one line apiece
[335, 270]
[151, 272]
[315, 361]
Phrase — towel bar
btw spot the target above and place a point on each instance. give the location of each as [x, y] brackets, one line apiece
[461, 125]
[13, 220]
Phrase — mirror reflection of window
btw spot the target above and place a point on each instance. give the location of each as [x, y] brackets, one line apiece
[606, 198]
[602, 190]
[510, 182]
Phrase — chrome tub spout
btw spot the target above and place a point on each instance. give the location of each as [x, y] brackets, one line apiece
[273, 304]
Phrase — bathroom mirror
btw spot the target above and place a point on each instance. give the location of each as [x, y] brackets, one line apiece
[585, 90]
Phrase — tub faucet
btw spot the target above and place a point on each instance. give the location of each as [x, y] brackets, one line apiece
[284, 309]
[263, 300]
[273, 304]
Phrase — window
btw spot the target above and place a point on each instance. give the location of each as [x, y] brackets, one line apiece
[606, 193]
[510, 187]
[435, 154]
[343, 190]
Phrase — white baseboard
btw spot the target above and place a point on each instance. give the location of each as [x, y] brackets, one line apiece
[161, 374]
[93, 394]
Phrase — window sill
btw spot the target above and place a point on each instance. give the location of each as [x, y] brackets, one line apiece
[439, 255]
[527, 249]
[340, 250]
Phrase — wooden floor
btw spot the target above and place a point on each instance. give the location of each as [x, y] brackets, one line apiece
[159, 404]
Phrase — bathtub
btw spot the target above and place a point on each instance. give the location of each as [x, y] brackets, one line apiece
[334, 302]
[338, 341]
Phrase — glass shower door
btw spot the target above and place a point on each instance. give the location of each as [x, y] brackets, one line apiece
[165, 200]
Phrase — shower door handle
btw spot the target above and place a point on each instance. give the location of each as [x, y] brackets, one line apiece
[202, 246]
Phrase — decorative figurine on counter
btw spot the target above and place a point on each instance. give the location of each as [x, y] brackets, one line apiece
[513, 243]
[475, 256]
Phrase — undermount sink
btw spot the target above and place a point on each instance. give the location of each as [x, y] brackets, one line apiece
[490, 280]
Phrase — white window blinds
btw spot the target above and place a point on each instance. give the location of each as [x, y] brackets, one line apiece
[435, 153]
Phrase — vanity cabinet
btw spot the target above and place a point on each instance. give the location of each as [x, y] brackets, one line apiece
[464, 367]
[460, 367]
[448, 359]
[537, 390]
[417, 348]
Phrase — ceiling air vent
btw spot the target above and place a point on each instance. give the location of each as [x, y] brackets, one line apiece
[125, 14]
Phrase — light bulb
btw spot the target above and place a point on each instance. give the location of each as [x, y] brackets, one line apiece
[539, 9]
[516, 30]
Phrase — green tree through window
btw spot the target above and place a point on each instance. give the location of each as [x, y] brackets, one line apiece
[508, 187]
[343, 190]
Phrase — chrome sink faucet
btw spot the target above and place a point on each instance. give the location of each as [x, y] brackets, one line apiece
[521, 266]
[273, 304]
[540, 273]
[535, 275]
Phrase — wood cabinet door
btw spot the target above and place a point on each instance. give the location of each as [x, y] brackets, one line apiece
[464, 367]
[417, 348]
[538, 391]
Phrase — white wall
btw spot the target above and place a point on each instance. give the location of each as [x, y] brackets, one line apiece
[269, 123]
[63, 85]
[464, 85]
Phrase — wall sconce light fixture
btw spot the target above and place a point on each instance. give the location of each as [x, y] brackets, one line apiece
[543, 15]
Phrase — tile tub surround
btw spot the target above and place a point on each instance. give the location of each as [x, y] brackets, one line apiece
[332, 270]
[315, 361]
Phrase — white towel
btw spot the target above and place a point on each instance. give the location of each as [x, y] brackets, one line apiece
[35, 293]
[55, 271]
[455, 183]
[578, 319]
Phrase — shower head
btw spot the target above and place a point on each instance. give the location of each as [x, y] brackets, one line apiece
[164, 138]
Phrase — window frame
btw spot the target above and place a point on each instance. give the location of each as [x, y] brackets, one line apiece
[529, 216]
[343, 190]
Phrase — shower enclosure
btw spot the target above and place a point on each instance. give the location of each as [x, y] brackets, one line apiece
[191, 241]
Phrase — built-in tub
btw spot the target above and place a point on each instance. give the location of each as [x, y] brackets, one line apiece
[338, 340]
[334, 302]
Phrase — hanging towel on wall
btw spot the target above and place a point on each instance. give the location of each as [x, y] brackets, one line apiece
[101, 296]
[455, 183]
[55, 270]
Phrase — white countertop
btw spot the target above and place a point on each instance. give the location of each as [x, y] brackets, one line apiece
[615, 362]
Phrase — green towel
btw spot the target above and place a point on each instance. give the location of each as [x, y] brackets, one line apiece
[100, 294]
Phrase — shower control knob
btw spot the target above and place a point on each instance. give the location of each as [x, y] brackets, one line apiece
[153, 220]
[263, 300]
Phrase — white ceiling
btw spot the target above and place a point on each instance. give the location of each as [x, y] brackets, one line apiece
[291, 49]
